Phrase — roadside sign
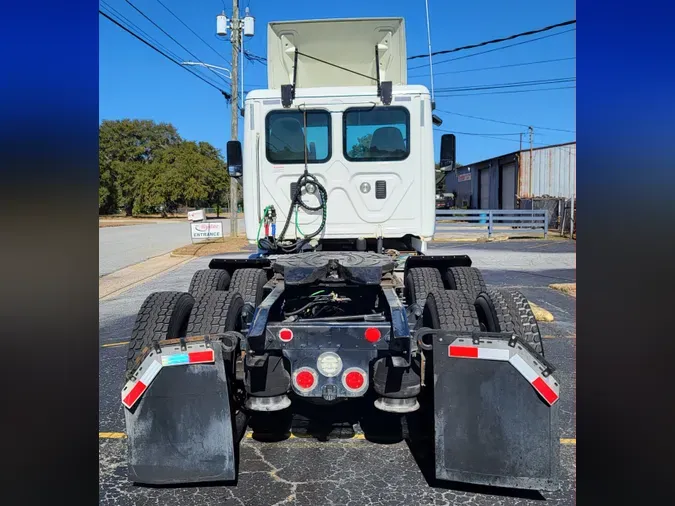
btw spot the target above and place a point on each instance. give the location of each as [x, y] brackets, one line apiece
[206, 230]
[197, 215]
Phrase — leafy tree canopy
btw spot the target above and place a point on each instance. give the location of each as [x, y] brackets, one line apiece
[147, 167]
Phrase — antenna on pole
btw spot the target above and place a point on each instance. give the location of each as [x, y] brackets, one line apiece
[431, 64]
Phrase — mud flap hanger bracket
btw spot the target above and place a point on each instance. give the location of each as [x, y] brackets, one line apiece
[498, 346]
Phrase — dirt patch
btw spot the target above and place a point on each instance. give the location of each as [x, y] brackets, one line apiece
[541, 314]
[567, 288]
[117, 223]
[229, 245]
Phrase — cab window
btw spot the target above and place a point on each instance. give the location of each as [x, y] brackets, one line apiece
[285, 137]
[376, 134]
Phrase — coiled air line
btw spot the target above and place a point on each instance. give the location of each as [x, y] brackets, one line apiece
[274, 245]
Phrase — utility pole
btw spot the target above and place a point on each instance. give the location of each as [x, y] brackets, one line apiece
[531, 167]
[235, 38]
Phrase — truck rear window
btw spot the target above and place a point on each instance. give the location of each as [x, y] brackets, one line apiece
[285, 134]
[376, 134]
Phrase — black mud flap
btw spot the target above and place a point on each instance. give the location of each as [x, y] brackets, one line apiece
[493, 426]
[180, 430]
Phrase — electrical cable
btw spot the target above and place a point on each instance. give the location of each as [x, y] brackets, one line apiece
[173, 39]
[505, 92]
[495, 41]
[514, 84]
[493, 50]
[504, 122]
[225, 94]
[193, 32]
[496, 67]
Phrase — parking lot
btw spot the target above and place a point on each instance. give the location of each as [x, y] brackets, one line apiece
[352, 470]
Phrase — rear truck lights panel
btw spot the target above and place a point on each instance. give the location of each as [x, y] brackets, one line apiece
[305, 379]
[495, 412]
[180, 429]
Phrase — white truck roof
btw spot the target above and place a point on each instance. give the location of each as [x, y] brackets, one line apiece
[349, 43]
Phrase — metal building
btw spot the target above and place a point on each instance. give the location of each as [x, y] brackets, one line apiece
[500, 182]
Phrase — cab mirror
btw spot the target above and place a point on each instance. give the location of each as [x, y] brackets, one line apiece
[447, 158]
[234, 160]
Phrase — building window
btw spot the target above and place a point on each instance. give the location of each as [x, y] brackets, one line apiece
[285, 137]
[376, 134]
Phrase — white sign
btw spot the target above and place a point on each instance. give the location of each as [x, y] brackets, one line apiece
[207, 230]
[197, 215]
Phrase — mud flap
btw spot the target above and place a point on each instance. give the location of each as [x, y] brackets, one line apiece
[495, 412]
[180, 427]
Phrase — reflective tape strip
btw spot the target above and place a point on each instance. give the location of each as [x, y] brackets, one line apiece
[192, 357]
[546, 391]
[197, 357]
[150, 374]
[523, 368]
[134, 394]
[540, 384]
[478, 352]
[463, 351]
[494, 354]
[180, 359]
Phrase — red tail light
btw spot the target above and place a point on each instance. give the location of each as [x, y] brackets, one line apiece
[354, 379]
[285, 335]
[305, 379]
[372, 334]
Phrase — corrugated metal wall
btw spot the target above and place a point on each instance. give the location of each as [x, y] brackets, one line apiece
[554, 174]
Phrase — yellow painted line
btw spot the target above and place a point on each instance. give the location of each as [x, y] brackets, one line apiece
[111, 435]
[111, 345]
[249, 435]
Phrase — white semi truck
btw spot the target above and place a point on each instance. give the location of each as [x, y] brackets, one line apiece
[341, 305]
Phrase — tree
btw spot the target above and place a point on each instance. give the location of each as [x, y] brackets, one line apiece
[124, 146]
[362, 147]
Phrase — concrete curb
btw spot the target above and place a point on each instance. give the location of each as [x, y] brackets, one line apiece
[118, 282]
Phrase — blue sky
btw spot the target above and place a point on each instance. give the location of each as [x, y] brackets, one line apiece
[137, 82]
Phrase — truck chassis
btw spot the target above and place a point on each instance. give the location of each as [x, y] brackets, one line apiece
[415, 336]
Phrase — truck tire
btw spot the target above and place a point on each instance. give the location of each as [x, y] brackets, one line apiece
[209, 280]
[419, 282]
[215, 313]
[509, 311]
[249, 283]
[163, 315]
[450, 310]
[468, 279]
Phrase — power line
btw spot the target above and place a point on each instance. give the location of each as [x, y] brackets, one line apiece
[489, 136]
[193, 32]
[515, 84]
[225, 94]
[505, 92]
[497, 67]
[505, 122]
[138, 29]
[495, 41]
[496, 49]
[173, 39]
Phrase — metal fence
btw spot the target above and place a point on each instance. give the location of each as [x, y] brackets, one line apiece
[494, 219]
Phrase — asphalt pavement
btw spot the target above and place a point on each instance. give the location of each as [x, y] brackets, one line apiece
[127, 245]
[353, 471]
